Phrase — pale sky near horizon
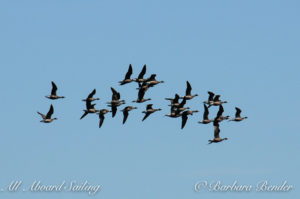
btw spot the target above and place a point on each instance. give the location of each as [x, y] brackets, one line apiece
[246, 51]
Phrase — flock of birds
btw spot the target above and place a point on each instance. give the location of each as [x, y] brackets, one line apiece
[177, 105]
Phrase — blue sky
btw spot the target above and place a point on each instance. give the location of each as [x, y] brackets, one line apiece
[247, 51]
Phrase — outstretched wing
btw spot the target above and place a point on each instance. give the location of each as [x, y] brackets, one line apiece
[188, 88]
[181, 105]
[141, 93]
[125, 113]
[149, 106]
[54, 88]
[146, 115]
[116, 95]
[88, 104]
[41, 114]
[206, 112]
[129, 72]
[84, 114]
[92, 94]
[101, 117]
[184, 119]
[176, 99]
[211, 96]
[152, 77]
[142, 73]
[113, 110]
[220, 112]
[217, 98]
[238, 112]
[50, 112]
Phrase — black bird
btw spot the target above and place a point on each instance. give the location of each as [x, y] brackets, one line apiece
[90, 97]
[126, 112]
[184, 117]
[115, 101]
[210, 100]
[188, 94]
[127, 78]
[220, 116]
[47, 118]
[149, 111]
[53, 95]
[141, 95]
[175, 101]
[217, 133]
[141, 75]
[181, 107]
[101, 116]
[152, 81]
[238, 117]
[217, 101]
[175, 113]
[90, 108]
[205, 120]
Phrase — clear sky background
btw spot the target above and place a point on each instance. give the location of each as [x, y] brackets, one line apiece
[247, 51]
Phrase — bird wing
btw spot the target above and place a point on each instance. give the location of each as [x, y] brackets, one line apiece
[88, 104]
[125, 113]
[142, 73]
[217, 98]
[116, 95]
[216, 129]
[92, 94]
[41, 114]
[50, 112]
[149, 106]
[238, 112]
[101, 117]
[146, 115]
[211, 96]
[176, 99]
[206, 112]
[113, 110]
[152, 77]
[84, 114]
[220, 112]
[129, 72]
[54, 88]
[188, 88]
[184, 119]
[141, 93]
[181, 105]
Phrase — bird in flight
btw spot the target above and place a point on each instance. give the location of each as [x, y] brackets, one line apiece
[47, 118]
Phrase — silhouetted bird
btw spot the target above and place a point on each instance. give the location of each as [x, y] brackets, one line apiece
[127, 78]
[47, 118]
[90, 97]
[141, 95]
[184, 117]
[141, 75]
[188, 91]
[90, 108]
[101, 116]
[210, 100]
[238, 117]
[149, 111]
[217, 101]
[53, 95]
[115, 101]
[126, 112]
